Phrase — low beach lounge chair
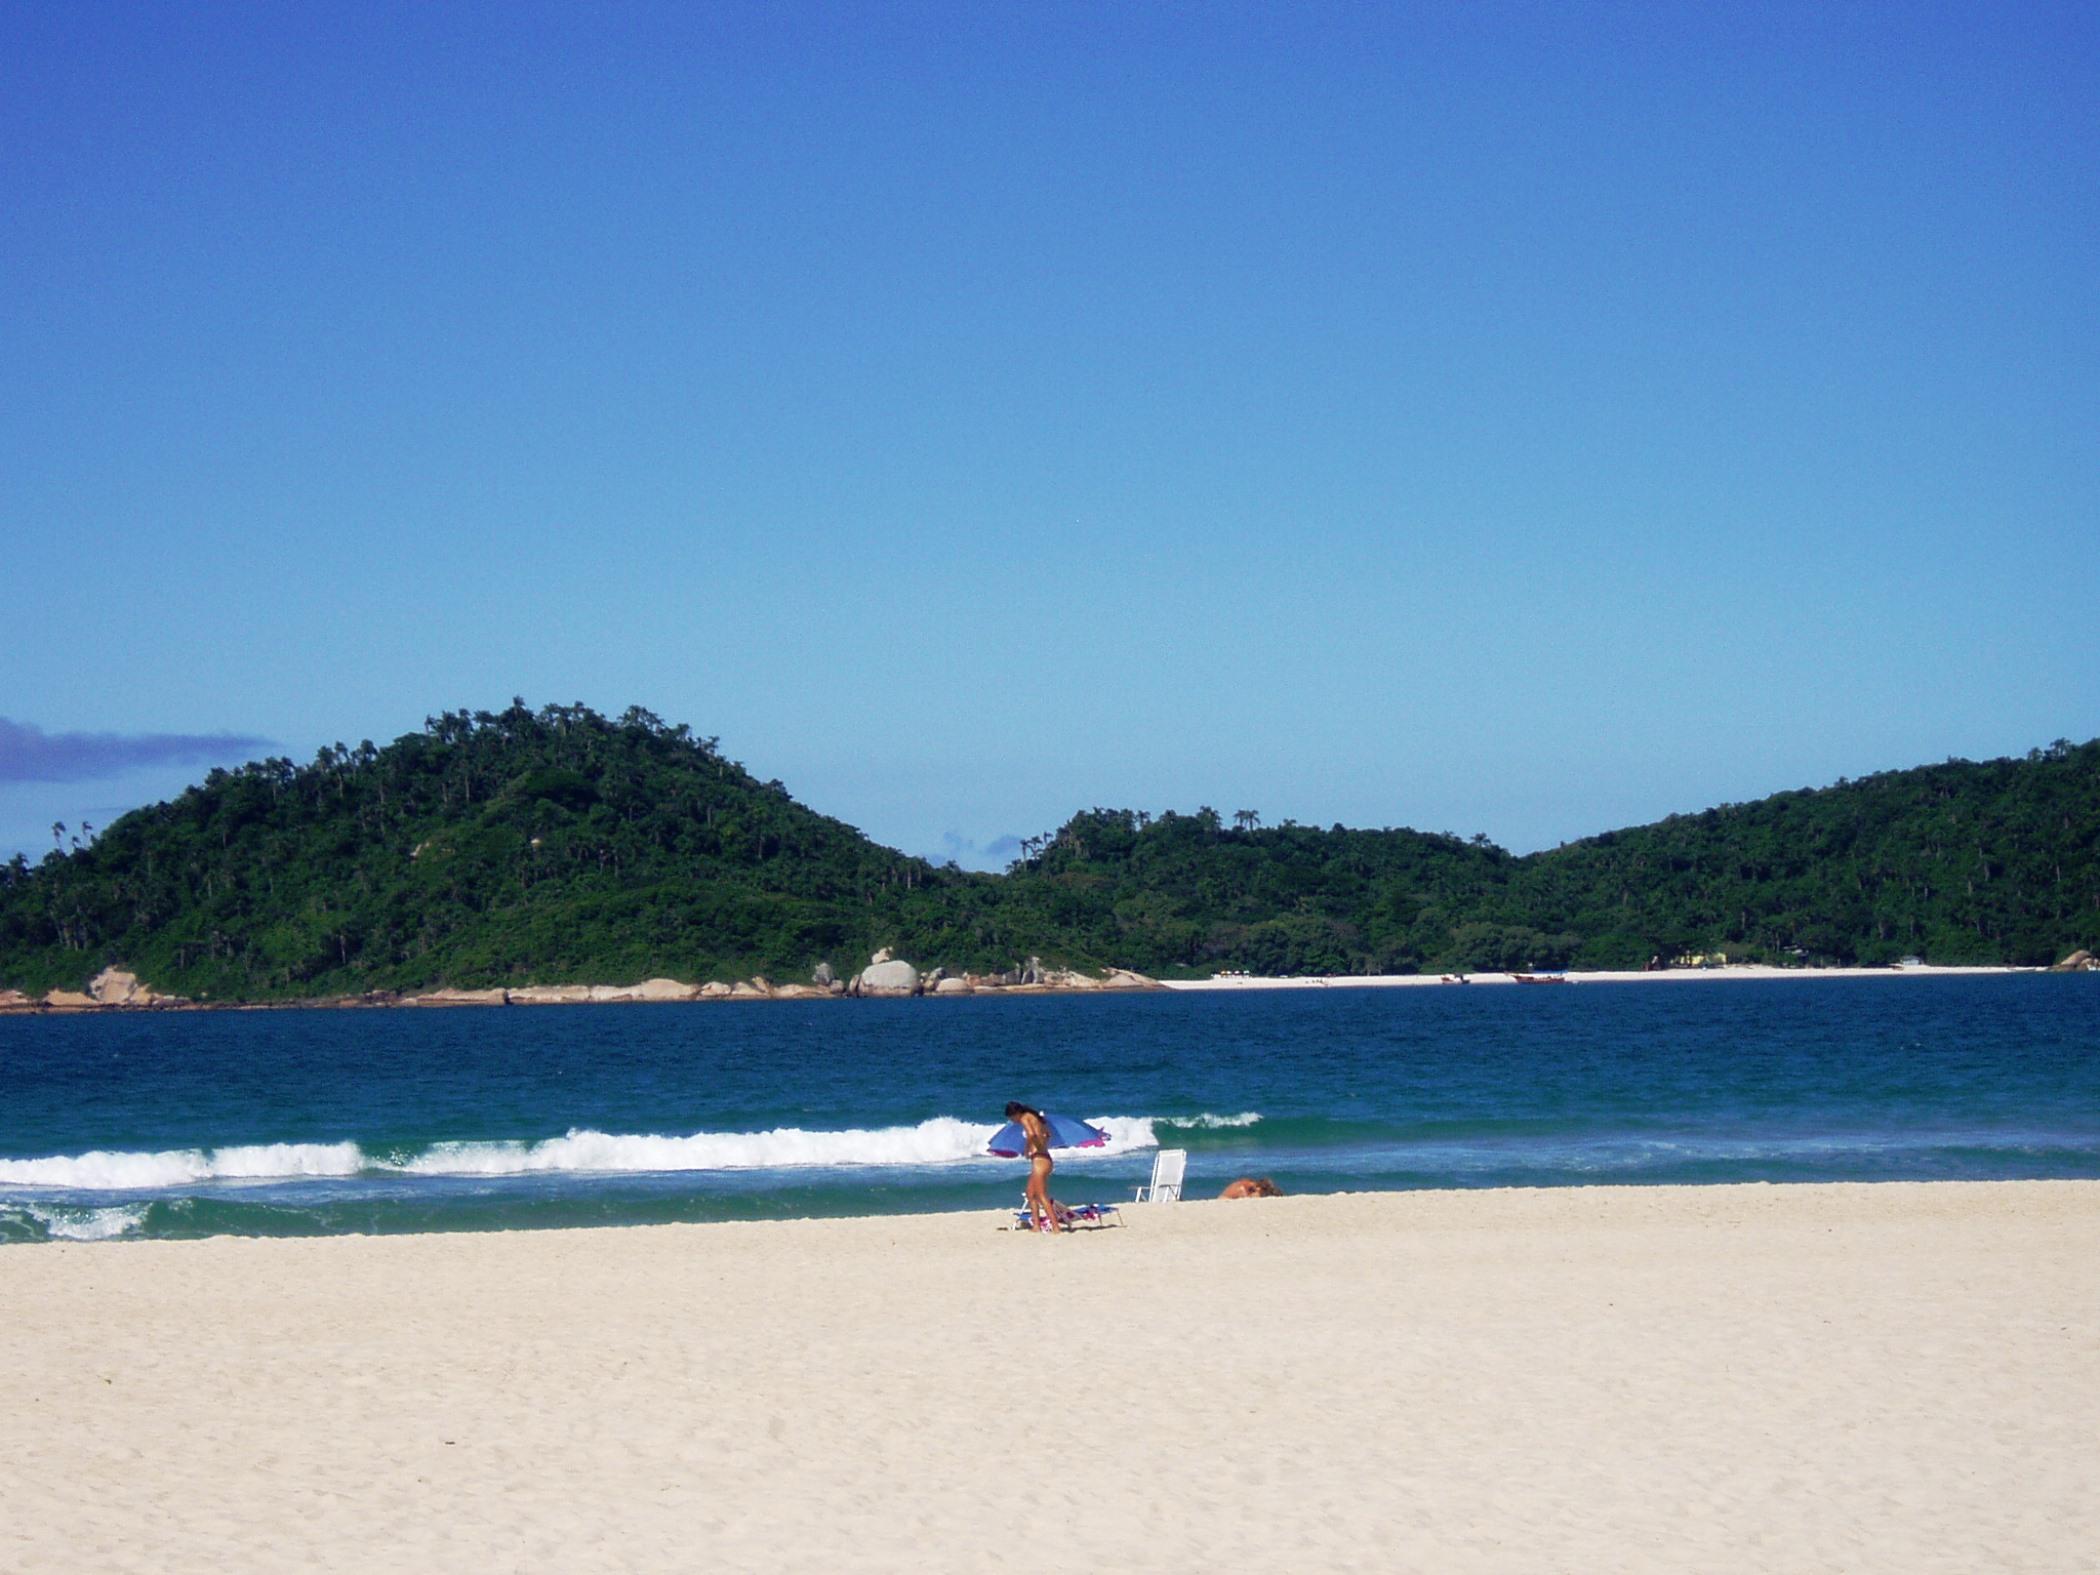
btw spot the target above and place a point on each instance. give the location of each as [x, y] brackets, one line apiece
[1089, 1216]
[1169, 1165]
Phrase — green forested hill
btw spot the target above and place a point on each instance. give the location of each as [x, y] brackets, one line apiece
[552, 846]
[560, 846]
[1186, 892]
[1992, 862]
[1968, 862]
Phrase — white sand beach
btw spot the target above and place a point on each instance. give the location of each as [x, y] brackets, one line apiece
[1339, 981]
[1896, 1377]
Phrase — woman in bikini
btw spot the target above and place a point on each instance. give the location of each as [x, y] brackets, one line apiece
[1048, 1216]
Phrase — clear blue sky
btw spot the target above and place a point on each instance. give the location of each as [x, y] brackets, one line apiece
[1526, 419]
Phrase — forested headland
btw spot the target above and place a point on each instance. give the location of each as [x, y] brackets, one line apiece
[558, 845]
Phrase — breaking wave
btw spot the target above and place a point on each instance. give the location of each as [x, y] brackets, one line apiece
[103, 1170]
[942, 1140]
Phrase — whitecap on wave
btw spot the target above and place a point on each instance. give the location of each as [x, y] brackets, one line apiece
[940, 1141]
[117, 1171]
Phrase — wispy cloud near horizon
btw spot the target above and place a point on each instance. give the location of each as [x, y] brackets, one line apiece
[993, 855]
[29, 754]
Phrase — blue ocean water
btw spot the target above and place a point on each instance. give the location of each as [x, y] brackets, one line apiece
[306, 1122]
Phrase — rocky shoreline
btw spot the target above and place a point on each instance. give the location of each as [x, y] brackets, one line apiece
[885, 977]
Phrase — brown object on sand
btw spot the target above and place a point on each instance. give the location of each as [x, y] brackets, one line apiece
[1252, 1187]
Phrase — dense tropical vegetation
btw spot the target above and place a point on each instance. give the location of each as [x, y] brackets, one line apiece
[559, 845]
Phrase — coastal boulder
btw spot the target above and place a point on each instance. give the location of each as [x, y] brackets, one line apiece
[889, 977]
[750, 990]
[715, 990]
[1129, 979]
[461, 998]
[951, 987]
[550, 994]
[647, 990]
[823, 975]
[115, 987]
[69, 1000]
[2080, 961]
[14, 1001]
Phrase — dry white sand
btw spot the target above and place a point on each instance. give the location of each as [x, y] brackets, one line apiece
[1895, 1377]
[1401, 981]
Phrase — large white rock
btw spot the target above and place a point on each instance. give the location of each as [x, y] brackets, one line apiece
[115, 987]
[951, 987]
[895, 977]
[647, 990]
[550, 995]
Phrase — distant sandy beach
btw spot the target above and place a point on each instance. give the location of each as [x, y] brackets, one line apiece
[1897, 1377]
[130, 996]
[1630, 976]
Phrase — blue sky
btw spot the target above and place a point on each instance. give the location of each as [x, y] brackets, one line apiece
[1526, 419]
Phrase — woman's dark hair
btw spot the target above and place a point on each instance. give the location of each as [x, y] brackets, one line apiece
[1015, 1110]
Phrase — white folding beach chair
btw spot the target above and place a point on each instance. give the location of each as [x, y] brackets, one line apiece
[1168, 1167]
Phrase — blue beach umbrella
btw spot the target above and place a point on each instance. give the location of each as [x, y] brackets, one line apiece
[1010, 1142]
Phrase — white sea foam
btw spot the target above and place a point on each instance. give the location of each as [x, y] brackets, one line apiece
[101, 1168]
[288, 1159]
[1125, 1135]
[125, 1172]
[62, 1224]
[1246, 1118]
[943, 1140]
[940, 1141]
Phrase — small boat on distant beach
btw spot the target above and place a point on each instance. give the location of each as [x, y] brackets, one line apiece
[1540, 978]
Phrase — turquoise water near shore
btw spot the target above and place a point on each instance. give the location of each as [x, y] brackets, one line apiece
[322, 1122]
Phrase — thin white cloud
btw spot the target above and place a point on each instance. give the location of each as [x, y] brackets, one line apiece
[993, 855]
